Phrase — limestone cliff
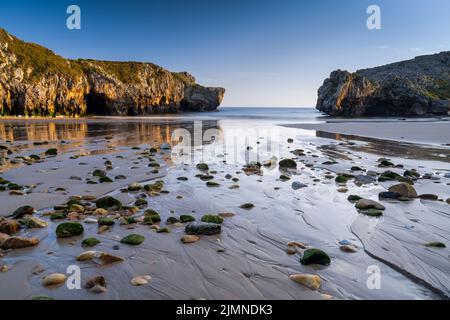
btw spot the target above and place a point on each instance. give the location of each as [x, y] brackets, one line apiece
[36, 81]
[409, 88]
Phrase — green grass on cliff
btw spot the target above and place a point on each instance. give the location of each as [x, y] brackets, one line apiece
[441, 90]
[41, 60]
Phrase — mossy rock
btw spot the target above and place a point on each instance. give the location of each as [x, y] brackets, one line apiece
[155, 216]
[99, 173]
[108, 203]
[69, 229]
[212, 184]
[73, 202]
[212, 218]
[133, 239]
[341, 179]
[372, 212]
[247, 206]
[35, 157]
[147, 220]
[105, 221]
[134, 187]
[353, 198]
[14, 186]
[172, 220]
[389, 176]
[141, 203]
[163, 230]
[21, 211]
[202, 166]
[288, 164]
[206, 177]
[435, 245]
[186, 218]
[90, 242]
[284, 177]
[105, 179]
[51, 152]
[130, 220]
[315, 256]
[386, 163]
[157, 186]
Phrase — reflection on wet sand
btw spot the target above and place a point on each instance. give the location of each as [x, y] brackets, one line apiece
[131, 133]
[391, 148]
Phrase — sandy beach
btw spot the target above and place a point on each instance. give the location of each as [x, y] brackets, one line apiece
[250, 258]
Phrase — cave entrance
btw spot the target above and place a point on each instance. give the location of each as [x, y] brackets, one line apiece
[96, 104]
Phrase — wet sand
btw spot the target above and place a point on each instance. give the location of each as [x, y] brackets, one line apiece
[248, 260]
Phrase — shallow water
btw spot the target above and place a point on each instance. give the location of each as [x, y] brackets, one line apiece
[252, 262]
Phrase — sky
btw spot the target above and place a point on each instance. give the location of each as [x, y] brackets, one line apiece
[265, 53]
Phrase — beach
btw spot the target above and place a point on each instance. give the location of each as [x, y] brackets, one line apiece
[264, 207]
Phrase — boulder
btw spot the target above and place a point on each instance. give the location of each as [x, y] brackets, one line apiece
[404, 190]
[69, 229]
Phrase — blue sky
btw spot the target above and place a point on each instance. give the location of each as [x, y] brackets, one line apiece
[265, 53]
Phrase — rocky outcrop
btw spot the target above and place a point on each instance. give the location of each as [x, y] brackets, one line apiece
[34, 81]
[419, 86]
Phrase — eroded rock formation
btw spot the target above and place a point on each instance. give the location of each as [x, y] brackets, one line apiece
[36, 81]
[409, 88]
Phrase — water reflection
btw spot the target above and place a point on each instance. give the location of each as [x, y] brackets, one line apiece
[124, 132]
[391, 148]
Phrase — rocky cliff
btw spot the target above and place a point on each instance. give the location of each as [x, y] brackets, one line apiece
[409, 88]
[36, 81]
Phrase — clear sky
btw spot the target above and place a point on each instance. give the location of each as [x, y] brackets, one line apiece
[265, 53]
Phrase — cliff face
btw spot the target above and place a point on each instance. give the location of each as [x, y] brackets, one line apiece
[35, 81]
[415, 87]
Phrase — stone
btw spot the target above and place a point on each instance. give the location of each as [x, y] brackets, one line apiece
[353, 198]
[54, 279]
[108, 203]
[172, 220]
[105, 221]
[431, 197]
[90, 220]
[100, 212]
[435, 245]
[372, 212]
[364, 179]
[94, 281]
[133, 239]
[247, 206]
[20, 212]
[186, 218]
[203, 228]
[9, 227]
[33, 222]
[134, 187]
[287, 164]
[140, 280]
[99, 173]
[341, 179]
[107, 258]
[388, 195]
[77, 208]
[404, 190]
[315, 256]
[368, 204]
[69, 229]
[98, 289]
[296, 185]
[311, 281]
[19, 243]
[163, 230]
[348, 248]
[189, 238]
[388, 176]
[51, 152]
[90, 242]
[105, 179]
[202, 166]
[87, 255]
[212, 218]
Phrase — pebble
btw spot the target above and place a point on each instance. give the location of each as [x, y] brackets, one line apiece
[54, 279]
[296, 185]
[140, 280]
[348, 248]
[189, 238]
[311, 281]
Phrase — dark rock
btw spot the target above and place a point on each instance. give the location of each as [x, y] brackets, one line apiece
[69, 229]
[202, 166]
[247, 206]
[315, 256]
[364, 204]
[108, 203]
[204, 228]
[20, 212]
[404, 190]
[172, 220]
[413, 87]
[353, 198]
[431, 197]
[133, 239]
[388, 195]
[287, 164]
[9, 227]
[186, 218]
[212, 218]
